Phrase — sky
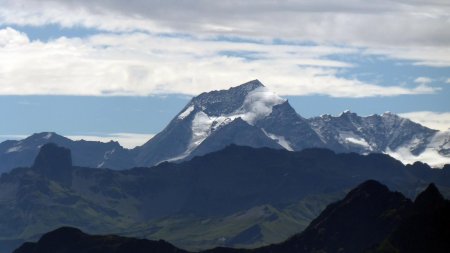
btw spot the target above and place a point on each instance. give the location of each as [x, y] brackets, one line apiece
[122, 70]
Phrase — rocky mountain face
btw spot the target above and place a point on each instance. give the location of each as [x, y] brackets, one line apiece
[238, 196]
[369, 219]
[252, 115]
[249, 115]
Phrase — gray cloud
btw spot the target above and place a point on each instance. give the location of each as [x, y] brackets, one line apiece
[144, 64]
[138, 60]
[355, 22]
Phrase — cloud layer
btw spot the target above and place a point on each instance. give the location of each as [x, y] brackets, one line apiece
[155, 47]
[385, 22]
[145, 64]
[433, 120]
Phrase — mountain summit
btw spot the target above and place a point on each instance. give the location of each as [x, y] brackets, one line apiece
[216, 119]
[217, 114]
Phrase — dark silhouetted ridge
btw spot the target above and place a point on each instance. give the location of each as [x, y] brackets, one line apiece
[430, 198]
[54, 162]
[52, 156]
[363, 218]
[67, 239]
[426, 228]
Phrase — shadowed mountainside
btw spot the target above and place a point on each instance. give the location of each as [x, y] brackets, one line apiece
[239, 196]
[369, 219]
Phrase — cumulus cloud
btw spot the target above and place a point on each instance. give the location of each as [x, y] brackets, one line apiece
[259, 103]
[433, 120]
[145, 64]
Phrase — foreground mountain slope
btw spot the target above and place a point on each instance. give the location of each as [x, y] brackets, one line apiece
[68, 239]
[425, 229]
[364, 218]
[369, 219]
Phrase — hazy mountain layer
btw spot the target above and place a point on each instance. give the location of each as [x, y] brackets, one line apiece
[93, 154]
[239, 196]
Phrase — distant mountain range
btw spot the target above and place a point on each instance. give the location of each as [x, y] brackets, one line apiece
[248, 115]
[93, 154]
[370, 219]
[238, 196]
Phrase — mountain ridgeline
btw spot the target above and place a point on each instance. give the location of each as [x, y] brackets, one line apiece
[248, 115]
[237, 197]
[369, 219]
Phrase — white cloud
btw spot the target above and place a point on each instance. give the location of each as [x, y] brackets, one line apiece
[127, 140]
[419, 27]
[423, 80]
[448, 80]
[430, 155]
[259, 103]
[146, 64]
[434, 120]
[433, 56]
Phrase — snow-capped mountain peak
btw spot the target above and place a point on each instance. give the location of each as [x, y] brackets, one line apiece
[256, 101]
[250, 115]
[223, 102]
[216, 119]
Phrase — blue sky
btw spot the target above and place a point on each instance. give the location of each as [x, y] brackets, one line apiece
[115, 70]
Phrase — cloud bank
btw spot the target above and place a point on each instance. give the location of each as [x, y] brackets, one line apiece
[384, 22]
[146, 64]
[160, 47]
[433, 120]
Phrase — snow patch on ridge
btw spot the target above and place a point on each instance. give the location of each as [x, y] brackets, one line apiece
[351, 138]
[360, 142]
[186, 112]
[48, 136]
[202, 126]
[280, 140]
[14, 149]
